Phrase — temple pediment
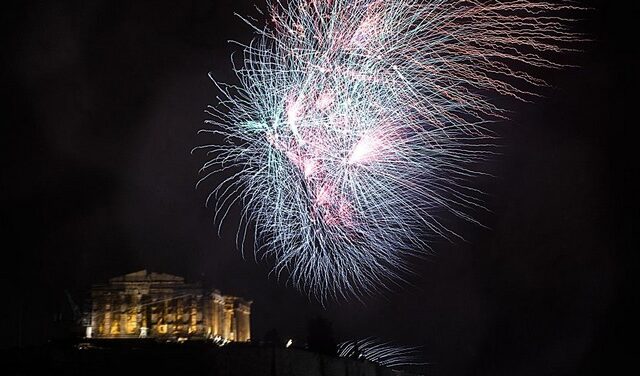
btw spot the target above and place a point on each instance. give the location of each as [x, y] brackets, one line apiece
[145, 276]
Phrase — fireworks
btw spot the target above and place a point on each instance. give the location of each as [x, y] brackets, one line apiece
[356, 124]
[383, 353]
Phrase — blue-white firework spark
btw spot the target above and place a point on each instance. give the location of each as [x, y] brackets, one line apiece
[383, 353]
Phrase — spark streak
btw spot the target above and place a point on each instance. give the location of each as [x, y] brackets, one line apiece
[383, 353]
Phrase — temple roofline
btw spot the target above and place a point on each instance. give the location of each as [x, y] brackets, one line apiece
[144, 276]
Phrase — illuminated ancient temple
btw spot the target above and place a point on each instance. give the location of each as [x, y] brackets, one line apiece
[163, 306]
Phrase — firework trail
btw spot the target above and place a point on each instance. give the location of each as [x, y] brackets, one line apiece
[383, 353]
[356, 124]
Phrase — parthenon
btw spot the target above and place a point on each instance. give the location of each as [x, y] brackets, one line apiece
[163, 306]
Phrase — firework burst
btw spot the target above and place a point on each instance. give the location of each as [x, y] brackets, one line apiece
[355, 124]
[383, 353]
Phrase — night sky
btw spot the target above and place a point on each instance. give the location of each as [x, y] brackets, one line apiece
[102, 104]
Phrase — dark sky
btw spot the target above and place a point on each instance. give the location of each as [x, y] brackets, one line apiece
[103, 101]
